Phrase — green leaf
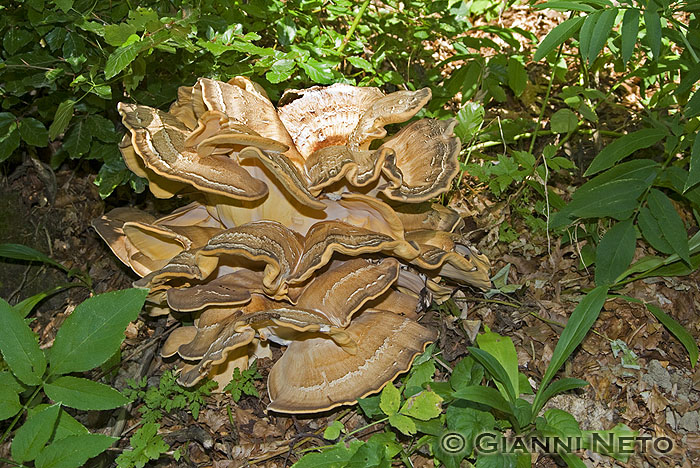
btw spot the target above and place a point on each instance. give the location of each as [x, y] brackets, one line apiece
[653, 25]
[118, 34]
[466, 373]
[19, 347]
[320, 72]
[359, 62]
[33, 132]
[64, 113]
[77, 140]
[22, 252]
[9, 142]
[561, 386]
[16, 38]
[564, 121]
[73, 451]
[615, 252]
[121, 58]
[502, 348]
[84, 394]
[582, 319]
[517, 76]
[102, 128]
[484, 395]
[389, 399]
[64, 5]
[692, 108]
[694, 171]
[678, 331]
[9, 402]
[618, 442]
[66, 425]
[629, 31]
[565, 30]
[419, 376]
[403, 424]
[623, 147]
[670, 223]
[470, 118]
[496, 370]
[602, 29]
[560, 423]
[337, 456]
[333, 430]
[34, 434]
[652, 231]
[94, 331]
[468, 421]
[424, 406]
[586, 33]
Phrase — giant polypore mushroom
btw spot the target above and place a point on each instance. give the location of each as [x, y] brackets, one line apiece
[309, 228]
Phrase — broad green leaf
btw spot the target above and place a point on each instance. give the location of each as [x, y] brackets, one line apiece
[623, 147]
[370, 406]
[403, 423]
[34, 434]
[629, 31]
[77, 140]
[15, 38]
[9, 142]
[651, 231]
[73, 451]
[560, 423]
[560, 386]
[22, 252]
[424, 406]
[420, 375]
[618, 442]
[337, 456]
[652, 21]
[64, 113]
[466, 373]
[94, 331]
[586, 33]
[118, 34]
[678, 331]
[470, 118]
[615, 252]
[64, 5]
[692, 108]
[496, 370]
[84, 394]
[19, 347]
[557, 36]
[572, 460]
[9, 402]
[468, 421]
[33, 132]
[502, 348]
[333, 430]
[670, 223]
[359, 62]
[565, 5]
[66, 425]
[564, 121]
[484, 395]
[601, 31]
[320, 72]
[389, 399]
[582, 319]
[694, 171]
[121, 58]
[517, 76]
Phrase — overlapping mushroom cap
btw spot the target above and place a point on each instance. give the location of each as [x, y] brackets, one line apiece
[308, 228]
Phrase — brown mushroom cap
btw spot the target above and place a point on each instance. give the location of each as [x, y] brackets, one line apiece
[227, 290]
[426, 159]
[315, 374]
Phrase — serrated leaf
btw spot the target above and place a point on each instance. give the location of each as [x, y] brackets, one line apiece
[84, 394]
[73, 451]
[34, 434]
[601, 31]
[19, 347]
[389, 399]
[563, 31]
[470, 118]
[121, 58]
[64, 113]
[33, 132]
[678, 331]
[424, 406]
[652, 21]
[582, 319]
[623, 147]
[564, 121]
[670, 223]
[78, 139]
[629, 32]
[615, 252]
[403, 423]
[94, 331]
[694, 171]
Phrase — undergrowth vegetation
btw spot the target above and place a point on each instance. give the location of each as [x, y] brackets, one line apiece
[65, 64]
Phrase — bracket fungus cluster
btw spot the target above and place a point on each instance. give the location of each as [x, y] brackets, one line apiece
[308, 227]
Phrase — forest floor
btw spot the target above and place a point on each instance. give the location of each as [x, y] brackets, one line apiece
[653, 390]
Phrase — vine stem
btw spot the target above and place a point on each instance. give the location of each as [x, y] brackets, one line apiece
[353, 26]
